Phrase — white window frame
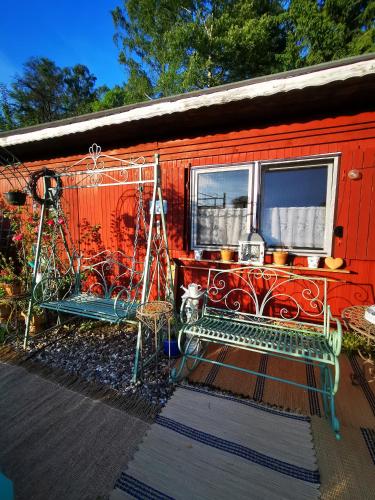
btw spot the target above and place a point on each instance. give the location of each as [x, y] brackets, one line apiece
[195, 172]
[255, 178]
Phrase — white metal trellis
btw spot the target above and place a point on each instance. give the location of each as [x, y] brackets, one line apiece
[101, 170]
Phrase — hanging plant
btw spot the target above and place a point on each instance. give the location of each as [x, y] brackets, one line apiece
[15, 197]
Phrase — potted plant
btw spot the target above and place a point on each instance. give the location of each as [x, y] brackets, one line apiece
[38, 320]
[226, 254]
[15, 197]
[9, 278]
[280, 257]
[4, 306]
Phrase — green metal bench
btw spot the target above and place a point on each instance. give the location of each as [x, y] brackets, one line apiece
[269, 311]
[106, 286]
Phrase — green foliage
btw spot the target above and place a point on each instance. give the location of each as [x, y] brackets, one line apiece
[45, 92]
[187, 45]
[137, 89]
[169, 47]
[353, 342]
[324, 30]
[8, 271]
[87, 326]
[80, 90]
[6, 115]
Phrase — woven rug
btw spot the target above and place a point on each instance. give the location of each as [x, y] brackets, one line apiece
[55, 443]
[355, 404]
[347, 470]
[347, 467]
[210, 446]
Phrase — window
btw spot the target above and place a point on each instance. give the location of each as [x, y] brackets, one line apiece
[291, 203]
[221, 206]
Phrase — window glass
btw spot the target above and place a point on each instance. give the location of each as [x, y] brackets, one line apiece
[222, 201]
[293, 207]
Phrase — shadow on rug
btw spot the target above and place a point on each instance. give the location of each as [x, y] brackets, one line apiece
[58, 444]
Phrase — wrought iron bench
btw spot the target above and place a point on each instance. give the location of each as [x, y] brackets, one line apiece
[269, 311]
[106, 286]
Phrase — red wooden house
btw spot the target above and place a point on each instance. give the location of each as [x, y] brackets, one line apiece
[291, 154]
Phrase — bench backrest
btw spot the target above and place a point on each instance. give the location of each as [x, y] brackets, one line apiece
[267, 293]
[109, 275]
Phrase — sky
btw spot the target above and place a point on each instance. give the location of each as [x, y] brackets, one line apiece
[68, 32]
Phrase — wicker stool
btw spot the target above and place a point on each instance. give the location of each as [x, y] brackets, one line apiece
[155, 315]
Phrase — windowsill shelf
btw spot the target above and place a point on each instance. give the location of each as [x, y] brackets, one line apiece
[289, 267]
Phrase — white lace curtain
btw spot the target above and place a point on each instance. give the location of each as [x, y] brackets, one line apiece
[287, 226]
[221, 226]
[294, 226]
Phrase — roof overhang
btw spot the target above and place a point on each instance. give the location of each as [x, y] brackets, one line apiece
[264, 90]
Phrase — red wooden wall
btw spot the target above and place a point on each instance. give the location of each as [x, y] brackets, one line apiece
[352, 136]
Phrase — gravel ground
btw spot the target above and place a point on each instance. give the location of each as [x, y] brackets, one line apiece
[102, 353]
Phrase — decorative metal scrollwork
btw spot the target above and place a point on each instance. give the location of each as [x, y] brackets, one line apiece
[103, 170]
[257, 290]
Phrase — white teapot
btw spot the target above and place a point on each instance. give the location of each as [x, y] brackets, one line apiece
[193, 291]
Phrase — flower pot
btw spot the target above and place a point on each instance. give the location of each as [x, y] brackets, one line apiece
[37, 322]
[280, 258]
[12, 289]
[313, 261]
[16, 198]
[171, 348]
[226, 254]
[4, 311]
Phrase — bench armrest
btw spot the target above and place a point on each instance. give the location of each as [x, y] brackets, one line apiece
[334, 336]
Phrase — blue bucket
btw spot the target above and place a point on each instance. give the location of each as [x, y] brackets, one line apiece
[172, 346]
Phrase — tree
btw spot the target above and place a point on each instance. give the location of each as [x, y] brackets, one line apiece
[137, 89]
[6, 113]
[45, 92]
[38, 94]
[324, 30]
[80, 90]
[191, 44]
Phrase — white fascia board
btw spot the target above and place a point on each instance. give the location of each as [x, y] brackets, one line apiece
[250, 91]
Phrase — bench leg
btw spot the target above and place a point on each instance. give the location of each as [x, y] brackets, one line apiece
[328, 397]
[188, 362]
[138, 361]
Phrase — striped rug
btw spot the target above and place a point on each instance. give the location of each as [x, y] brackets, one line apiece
[355, 404]
[207, 445]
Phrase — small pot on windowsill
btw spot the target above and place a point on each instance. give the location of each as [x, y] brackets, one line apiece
[280, 257]
[226, 254]
[313, 261]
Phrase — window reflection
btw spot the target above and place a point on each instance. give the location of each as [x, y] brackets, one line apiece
[293, 207]
[222, 201]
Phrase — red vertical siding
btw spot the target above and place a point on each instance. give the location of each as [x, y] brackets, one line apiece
[351, 136]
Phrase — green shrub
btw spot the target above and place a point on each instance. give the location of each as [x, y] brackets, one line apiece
[351, 341]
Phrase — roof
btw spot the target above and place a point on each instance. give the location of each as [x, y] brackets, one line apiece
[259, 94]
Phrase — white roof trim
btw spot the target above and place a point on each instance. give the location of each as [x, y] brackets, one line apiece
[250, 91]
